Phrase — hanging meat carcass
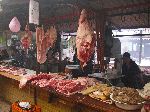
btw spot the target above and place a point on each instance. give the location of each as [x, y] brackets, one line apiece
[41, 46]
[51, 36]
[85, 40]
[44, 41]
[26, 39]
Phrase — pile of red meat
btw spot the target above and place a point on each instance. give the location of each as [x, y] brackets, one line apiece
[69, 87]
[13, 70]
[39, 79]
[58, 83]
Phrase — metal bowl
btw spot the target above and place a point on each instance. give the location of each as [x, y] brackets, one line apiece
[126, 106]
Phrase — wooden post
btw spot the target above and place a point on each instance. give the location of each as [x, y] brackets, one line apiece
[100, 30]
[35, 95]
[59, 50]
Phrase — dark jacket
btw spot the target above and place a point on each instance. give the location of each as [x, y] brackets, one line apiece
[88, 68]
[132, 76]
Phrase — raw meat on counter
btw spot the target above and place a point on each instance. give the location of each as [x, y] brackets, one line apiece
[58, 83]
[13, 70]
[37, 79]
[85, 40]
[87, 81]
[69, 87]
[53, 83]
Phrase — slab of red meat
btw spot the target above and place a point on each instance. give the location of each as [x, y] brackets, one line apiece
[85, 40]
[35, 78]
[41, 45]
[75, 87]
[53, 83]
[25, 42]
[61, 84]
[42, 83]
[26, 39]
[43, 51]
[44, 41]
[69, 87]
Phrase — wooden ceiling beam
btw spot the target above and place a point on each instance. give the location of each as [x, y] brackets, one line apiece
[130, 13]
[138, 5]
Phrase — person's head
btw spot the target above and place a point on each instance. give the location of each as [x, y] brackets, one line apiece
[66, 58]
[126, 58]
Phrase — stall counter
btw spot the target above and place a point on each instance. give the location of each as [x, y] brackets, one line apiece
[49, 100]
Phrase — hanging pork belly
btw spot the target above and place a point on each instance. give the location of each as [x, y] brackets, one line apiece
[26, 39]
[51, 36]
[41, 46]
[44, 42]
[85, 40]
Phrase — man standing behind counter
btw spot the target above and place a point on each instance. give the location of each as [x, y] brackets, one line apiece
[132, 73]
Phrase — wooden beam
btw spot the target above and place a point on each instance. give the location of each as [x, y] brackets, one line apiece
[138, 5]
[129, 13]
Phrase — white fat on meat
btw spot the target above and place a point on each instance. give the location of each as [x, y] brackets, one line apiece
[25, 79]
[44, 42]
[23, 82]
[85, 40]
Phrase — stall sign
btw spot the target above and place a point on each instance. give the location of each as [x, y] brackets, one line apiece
[34, 12]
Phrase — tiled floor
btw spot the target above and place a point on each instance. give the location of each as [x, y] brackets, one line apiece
[4, 106]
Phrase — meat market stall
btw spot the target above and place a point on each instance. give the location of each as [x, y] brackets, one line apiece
[55, 100]
[56, 92]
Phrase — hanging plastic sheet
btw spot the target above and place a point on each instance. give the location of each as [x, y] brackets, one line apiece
[34, 12]
[14, 25]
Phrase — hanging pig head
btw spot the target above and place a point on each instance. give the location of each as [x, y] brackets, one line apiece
[85, 40]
